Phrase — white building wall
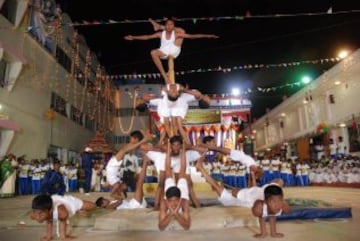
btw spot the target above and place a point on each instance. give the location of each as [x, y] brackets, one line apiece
[302, 118]
[30, 97]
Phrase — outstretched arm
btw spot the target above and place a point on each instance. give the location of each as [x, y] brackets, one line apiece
[198, 95]
[143, 37]
[196, 36]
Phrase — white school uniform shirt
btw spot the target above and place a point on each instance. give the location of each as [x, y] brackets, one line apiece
[275, 164]
[305, 169]
[24, 170]
[36, 173]
[332, 149]
[341, 147]
[265, 164]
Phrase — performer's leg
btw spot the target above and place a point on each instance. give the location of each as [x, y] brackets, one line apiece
[217, 187]
[192, 194]
[160, 190]
[174, 126]
[167, 127]
[156, 57]
[183, 134]
[139, 194]
[156, 26]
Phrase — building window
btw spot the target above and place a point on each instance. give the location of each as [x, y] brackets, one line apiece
[8, 10]
[3, 73]
[63, 59]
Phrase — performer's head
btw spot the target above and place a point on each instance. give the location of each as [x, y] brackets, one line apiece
[209, 140]
[136, 136]
[169, 25]
[176, 144]
[173, 197]
[172, 91]
[102, 202]
[274, 198]
[41, 208]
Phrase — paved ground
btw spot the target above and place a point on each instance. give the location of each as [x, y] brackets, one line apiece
[16, 210]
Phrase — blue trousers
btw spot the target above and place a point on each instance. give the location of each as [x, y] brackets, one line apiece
[87, 183]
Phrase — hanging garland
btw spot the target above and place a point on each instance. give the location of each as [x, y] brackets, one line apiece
[126, 132]
[322, 128]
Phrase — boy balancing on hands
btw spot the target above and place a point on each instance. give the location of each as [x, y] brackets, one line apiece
[265, 201]
[272, 206]
[175, 204]
[46, 208]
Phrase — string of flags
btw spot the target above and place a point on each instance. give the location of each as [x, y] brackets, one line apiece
[194, 20]
[221, 69]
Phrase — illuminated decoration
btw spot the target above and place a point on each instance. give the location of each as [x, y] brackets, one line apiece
[227, 69]
[322, 128]
[99, 145]
[50, 114]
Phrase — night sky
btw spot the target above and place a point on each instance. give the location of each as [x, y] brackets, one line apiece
[250, 41]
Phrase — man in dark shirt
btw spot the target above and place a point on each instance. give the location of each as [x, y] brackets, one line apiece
[53, 182]
[87, 161]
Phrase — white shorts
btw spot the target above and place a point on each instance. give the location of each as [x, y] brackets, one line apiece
[172, 50]
[132, 204]
[248, 196]
[227, 199]
[182, 185]
[72, 204]
[112, 175]
[179, 111]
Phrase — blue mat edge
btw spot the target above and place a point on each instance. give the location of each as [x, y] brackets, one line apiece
[313, 213]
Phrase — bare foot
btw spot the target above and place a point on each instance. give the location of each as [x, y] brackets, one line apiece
[277, 235]
[46, 238]
[260, 235]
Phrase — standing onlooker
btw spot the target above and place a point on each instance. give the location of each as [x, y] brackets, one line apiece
[332, 147]
[73, 177]
[8, 176]
[130, 164]
[35, 177]
[87, 160]
[53, 182]
[24, 169]
[341, 147]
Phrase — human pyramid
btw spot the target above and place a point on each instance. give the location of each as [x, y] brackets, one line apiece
[172, 156]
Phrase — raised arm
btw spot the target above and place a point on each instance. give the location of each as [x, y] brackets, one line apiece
[143, 37]
[129, 147]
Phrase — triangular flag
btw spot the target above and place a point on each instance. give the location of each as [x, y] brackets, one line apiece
[329, 11]
[194, 20]
[248, 14]
[112, 21]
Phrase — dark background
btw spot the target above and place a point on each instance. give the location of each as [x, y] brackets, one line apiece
[249, 41]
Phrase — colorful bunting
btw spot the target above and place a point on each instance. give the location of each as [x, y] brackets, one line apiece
[228, 70]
